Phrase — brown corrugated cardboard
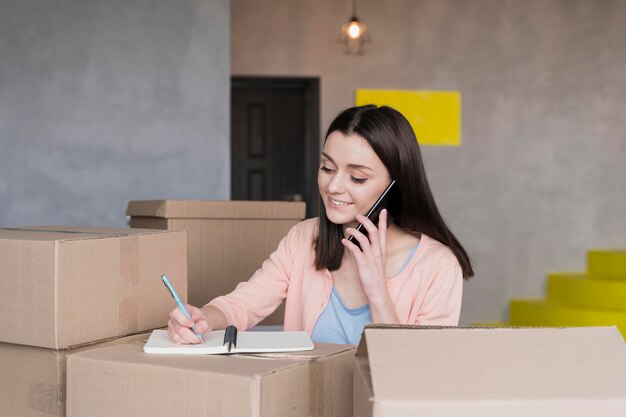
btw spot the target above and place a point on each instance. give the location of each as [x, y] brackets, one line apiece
[217, 209]
[32, 381]
[362, 388]
[123, 381]
[228, 240]
[67, 286]
[493, 372]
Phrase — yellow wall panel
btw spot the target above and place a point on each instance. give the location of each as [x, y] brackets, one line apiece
[434, 115]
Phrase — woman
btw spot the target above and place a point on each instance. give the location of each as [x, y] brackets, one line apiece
[409, 269]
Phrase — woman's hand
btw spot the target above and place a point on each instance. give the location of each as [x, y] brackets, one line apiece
[371, 266]
[371, 258]
[179, 326]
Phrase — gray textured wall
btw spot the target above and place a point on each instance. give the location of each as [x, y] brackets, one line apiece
[540, 176]
[106, 101]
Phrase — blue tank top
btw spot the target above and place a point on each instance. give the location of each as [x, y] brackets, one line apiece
[340, 324]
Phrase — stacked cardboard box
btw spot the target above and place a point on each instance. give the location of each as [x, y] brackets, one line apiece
[68, 289]
[574, 372]
[122, 381]
[594, 298]
[228, 240]
[32, 379]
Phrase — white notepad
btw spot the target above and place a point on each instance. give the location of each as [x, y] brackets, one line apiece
[246, 342]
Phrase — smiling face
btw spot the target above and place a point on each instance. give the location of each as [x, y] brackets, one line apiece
[350, 179]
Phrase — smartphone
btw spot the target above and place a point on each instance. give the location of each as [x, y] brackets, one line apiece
[374, 212]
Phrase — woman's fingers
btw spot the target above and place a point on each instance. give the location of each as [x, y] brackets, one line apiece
[382, 235]
[364, 242]
[179, 326]
[174, 333]
[376, 233]
[171, 333]
[180, 334]
[369, 226]
[351, 247]
[178, 317]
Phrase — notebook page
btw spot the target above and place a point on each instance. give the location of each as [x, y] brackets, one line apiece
[254, 342]
[159, 343]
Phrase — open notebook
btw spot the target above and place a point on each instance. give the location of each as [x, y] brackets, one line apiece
[232, 341]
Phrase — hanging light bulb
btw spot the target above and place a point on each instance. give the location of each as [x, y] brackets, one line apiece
[354, 36]
[354, 30]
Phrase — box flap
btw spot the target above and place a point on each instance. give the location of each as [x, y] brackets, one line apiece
[521, 365]
[321, 352]
[27, 234]
[217, 209]
[362, 393]
[362, 346]
[54, 233]
[95, 230]
[246, 365]
[124, 381]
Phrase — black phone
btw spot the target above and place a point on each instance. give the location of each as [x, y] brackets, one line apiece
[374, 212]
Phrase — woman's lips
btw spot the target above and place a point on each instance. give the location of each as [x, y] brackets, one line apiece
[338, 203]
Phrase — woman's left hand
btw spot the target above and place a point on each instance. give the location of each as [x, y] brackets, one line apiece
[371, 258]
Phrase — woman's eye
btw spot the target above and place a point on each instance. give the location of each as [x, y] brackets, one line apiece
[358, 180]
[326, 169]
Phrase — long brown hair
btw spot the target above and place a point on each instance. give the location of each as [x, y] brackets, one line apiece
[412, 207]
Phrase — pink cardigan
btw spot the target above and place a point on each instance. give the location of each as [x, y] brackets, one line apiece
[428, 290]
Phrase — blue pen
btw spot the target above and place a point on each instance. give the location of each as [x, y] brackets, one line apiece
[180, 304]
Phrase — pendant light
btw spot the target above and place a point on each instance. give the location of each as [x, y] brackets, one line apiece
[354, 36]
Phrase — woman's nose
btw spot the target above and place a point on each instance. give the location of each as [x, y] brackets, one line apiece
[337, 184]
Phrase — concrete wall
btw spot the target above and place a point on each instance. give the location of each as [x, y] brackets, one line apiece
[102, 102]
[541, 174]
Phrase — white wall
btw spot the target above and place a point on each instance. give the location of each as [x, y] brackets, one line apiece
[102, 102]
[540, 176]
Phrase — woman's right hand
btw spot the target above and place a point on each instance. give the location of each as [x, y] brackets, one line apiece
[179, 326]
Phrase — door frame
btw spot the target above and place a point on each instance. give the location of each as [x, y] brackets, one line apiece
[311, 87]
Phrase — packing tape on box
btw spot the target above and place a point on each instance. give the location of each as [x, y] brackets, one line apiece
[128, 313]
[129, 259]
[315, 396]
[43, 398]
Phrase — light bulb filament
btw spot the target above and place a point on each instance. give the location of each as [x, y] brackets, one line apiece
[354, 30]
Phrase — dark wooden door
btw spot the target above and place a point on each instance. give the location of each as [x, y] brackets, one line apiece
[274, 140]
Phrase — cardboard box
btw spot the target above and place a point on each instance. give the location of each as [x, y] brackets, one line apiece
[486, 372]
[122, 381]
[67, 286]
[363, 392]
[228, 240]
[32, 381]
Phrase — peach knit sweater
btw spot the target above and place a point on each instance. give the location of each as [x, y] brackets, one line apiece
[428, 291]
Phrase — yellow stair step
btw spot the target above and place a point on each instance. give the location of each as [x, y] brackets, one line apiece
[576, 289]
[545, 314]
[606, 264]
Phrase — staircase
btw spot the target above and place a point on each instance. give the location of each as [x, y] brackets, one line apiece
[596, 297]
